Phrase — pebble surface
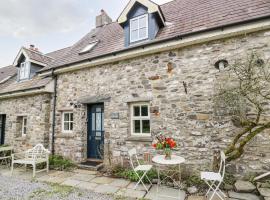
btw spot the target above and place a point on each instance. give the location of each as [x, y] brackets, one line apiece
[12, 188]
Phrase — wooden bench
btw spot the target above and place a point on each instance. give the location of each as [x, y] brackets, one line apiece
[33, 156]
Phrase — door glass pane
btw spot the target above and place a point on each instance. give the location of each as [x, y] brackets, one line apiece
[98, 109]
[134, 35]
[142, 33]
[136, 126]
[146, 126]
[98, 121]
[142, 22]
[144, 110]
[98, 134]
[93, 122]
[136, 111]
[102, 119]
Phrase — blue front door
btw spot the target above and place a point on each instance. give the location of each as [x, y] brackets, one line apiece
[95, 139]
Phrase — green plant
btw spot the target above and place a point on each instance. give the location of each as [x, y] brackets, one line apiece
[60, 163]
[129, 174]
[195, 180]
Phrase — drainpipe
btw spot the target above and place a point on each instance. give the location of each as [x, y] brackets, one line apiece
[54, 110]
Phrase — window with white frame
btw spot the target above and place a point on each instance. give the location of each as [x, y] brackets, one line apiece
[24, 126]
[139, 28]
[24, 70]
[140, 119]
[67, 122]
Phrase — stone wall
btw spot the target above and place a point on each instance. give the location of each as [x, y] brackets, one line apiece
[189, 117]
[37, 110]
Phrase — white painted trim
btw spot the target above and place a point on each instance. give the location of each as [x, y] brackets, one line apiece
[24, 126]
[63, 117]
[132, 118]
[22, 51]
[169, 45]
[152, 7]
[138, 28]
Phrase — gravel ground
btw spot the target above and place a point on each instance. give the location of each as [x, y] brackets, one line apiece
[12, 188]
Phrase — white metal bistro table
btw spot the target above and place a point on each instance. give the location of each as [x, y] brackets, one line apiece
[160, 160]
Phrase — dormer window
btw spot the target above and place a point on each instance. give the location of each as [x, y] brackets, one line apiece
[24, 70]
[139, 28]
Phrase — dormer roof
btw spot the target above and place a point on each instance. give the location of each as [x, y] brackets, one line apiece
[33, 56]
[151, 6]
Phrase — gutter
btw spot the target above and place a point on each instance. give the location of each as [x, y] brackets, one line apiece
[24, 92]
[54, 111]
[155, 42]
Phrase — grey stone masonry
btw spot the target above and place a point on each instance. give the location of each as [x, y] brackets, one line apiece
[36, 108]
[187, 115]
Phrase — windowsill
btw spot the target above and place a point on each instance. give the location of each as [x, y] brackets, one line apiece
[65, 135]
[139, 138]
[21, 138]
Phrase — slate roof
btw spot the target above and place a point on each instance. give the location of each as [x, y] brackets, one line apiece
[184, 17]
[38, 56]
[6, 72]
[14, 86]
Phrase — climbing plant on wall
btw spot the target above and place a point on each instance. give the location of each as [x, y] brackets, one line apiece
[244, 92]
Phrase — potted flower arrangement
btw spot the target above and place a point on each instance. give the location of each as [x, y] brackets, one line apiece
[165, 144]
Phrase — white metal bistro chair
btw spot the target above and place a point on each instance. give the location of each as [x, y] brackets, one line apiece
[33, 156]
[214, 180]
[143, 168]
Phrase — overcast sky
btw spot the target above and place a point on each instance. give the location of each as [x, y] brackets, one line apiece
[49, 24]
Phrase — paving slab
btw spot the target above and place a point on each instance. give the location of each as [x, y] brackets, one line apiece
[106, 189]
[83, 177]
[120, 183]
[139, 187]
[71, 182]
[165, 192]
[243, 196]
[102, 180]
[216, 197]
[87, 185]
[196, 197]
[82, 171]
[130, 193]
[265, 192]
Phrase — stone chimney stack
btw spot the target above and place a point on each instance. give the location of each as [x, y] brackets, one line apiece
[102, 19]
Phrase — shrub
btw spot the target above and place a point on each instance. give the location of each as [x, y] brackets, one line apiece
[60, 163]
[129, 174]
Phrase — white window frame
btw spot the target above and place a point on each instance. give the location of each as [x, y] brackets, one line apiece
[24, 126]
[132, 118]
[69, 122]
[24, 70]
[138, 28]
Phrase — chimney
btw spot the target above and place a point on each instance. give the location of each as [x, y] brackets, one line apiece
[32, 47]
[102, 19]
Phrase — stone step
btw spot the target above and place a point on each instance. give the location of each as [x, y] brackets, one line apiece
[90, 167]
[244, 186]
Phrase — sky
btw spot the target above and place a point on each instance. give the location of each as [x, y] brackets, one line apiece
[49, 24]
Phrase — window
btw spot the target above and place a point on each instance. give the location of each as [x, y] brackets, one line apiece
[140, 119]
[24, 70]
[24, 126]
[67, 122]
[89, 47]
[139, 28]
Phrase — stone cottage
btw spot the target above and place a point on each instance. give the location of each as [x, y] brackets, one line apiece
[151, 71]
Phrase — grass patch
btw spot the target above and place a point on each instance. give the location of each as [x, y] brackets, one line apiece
[55, 189]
